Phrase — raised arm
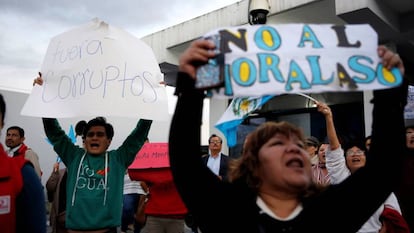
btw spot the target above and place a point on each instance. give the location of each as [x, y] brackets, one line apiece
[61, 142]
[134, 142]
[370, 185]
[194, 181]
[335, 160]
[330, 126]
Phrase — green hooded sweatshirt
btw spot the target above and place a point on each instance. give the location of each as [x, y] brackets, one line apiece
[94, 197]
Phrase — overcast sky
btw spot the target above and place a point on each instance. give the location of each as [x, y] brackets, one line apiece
[26, 27]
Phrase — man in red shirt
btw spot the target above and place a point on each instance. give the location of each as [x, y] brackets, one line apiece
[22, 202]
[17, 149]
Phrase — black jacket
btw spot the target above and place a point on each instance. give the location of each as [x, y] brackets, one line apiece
[236, 209]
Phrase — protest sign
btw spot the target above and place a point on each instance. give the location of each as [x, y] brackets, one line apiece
[287, 58]
[151, 163]
[99, 70]
[151, 155]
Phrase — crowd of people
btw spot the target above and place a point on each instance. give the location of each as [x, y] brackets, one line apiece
[282, 182]
[272, 186]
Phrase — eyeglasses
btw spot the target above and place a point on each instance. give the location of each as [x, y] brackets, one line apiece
[215, 142]
[358, 152]
[98, 134]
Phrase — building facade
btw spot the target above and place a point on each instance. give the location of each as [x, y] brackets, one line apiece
[392, 19]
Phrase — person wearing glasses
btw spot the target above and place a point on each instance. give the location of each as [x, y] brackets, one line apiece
[95, 177]
[388, 215]
[218, 163]
[215, 160]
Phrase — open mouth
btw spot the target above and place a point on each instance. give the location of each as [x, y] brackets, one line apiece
[295, 162]
[94, 145]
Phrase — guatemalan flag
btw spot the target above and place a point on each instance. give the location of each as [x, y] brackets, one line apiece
[237, 111]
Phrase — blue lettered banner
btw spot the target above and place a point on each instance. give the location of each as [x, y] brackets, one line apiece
[299, 58]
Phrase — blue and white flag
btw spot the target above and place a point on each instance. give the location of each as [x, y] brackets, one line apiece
[237, 111]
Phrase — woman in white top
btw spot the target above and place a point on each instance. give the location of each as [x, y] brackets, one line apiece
[340, 167]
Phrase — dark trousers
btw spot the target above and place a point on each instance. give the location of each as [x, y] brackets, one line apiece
[130, 204]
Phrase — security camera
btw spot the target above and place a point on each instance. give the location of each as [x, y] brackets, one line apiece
[258, 10]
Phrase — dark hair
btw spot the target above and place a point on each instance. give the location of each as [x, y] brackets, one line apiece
[245, 168]
[15, 127]
[79, 127]
[99, 121]
[312, 141]
[2, 108]
[409, 123]
[357, 143]
[214, 136]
